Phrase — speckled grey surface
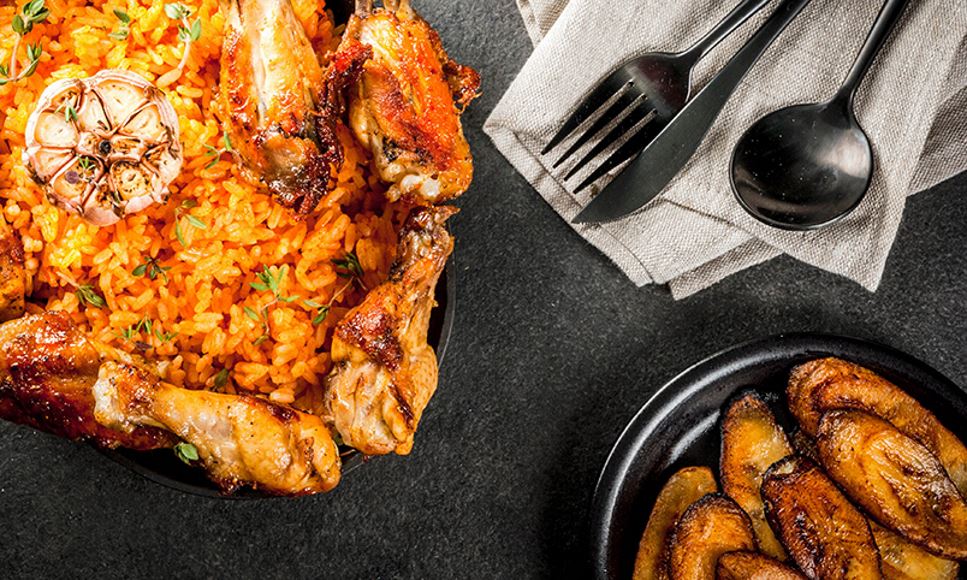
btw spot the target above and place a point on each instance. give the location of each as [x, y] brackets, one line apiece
[552, 353]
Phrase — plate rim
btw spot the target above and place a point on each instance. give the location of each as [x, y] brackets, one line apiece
[622, 454]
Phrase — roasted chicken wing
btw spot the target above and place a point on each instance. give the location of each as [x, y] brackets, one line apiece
[406, 107]
[47, 370]
[240, 439]
[278, 105]
[384, 371]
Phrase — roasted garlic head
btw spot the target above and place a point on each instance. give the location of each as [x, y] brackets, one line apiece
[104, 147]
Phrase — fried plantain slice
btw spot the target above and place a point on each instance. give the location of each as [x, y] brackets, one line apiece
[894, 478]
[712, 526]
[753, 566]
[684, 487]
[904, 560]
[827, 384]
[751, 442]
[826, 536]
[804, 445]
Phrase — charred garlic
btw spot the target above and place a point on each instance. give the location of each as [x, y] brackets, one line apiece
[104, 147]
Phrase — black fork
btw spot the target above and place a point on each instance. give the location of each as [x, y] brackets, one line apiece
[642, 96]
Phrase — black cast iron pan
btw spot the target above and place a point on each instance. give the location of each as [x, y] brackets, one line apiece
[679, 426]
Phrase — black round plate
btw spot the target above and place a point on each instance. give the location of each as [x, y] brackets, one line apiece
[679, 426]
[161, 466]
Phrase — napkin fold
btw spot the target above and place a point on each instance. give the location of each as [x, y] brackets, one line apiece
[912, 104]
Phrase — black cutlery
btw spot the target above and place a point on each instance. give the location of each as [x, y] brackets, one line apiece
[665, 156]
[807, 166]
[644, 94]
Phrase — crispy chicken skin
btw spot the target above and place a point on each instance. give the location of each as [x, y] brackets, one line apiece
[406, 107]
[827, 384]
[12, 276]
[384, 371]
[240, 439]
[278, 105]
[47, 370]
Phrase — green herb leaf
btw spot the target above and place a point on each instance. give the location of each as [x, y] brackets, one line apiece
[227, 142]
[259, 286]
[181, 238]
[349, 266]
[70, 114]
[260, 339]
[86, 294]
[176, 11]
[320, 316]
[122, 16]
[312, 304]
[18, 25]
[196, 223]
[186, 452]
[195, 30]
[221, 379]
[288, 299]
[251, 313]
[140, 270]
[189, 204]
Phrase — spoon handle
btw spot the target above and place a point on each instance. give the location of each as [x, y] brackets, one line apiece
[742, 12]
[887, 18]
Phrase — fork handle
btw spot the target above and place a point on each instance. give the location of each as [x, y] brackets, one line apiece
[665, 156]
[725, 27]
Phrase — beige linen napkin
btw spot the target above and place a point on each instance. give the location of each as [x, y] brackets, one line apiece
[913, 105]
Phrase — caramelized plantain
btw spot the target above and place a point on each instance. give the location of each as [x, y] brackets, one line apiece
[827, 384]
[904, 560]
[684, 487]
[753, 566]
[823, 532]
[712, 526]
[751, 442]
[804, 445]
[894, 478]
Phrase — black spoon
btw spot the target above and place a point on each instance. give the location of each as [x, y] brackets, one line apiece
[806, 166]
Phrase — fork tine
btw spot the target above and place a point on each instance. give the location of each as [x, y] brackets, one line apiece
[617, 81]
[628, 98]
[640, 111]
[630, 148]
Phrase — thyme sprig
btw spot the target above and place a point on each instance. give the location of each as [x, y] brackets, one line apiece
[182, 211]
[268, 282]
[152, 269]
[33, 12]
[124, 26]
[145, 327]
[86, 294]
[188, 33]
[216, 154]
[349, 268]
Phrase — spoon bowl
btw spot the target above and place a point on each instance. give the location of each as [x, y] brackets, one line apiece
[807, 166]
[802, 167]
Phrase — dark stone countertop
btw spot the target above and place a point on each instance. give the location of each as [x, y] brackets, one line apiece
[552, 353]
